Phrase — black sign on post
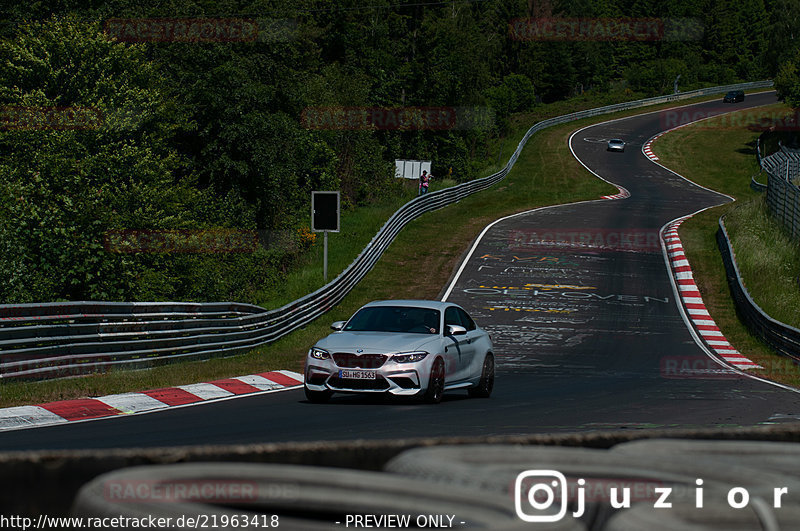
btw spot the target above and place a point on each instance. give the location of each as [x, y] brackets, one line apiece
[325, 211]
[325, 219]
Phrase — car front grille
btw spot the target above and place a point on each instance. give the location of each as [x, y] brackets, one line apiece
[379, 384]
[359, 361]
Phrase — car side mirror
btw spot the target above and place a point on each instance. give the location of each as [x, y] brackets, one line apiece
[456, 330]
[338, 325]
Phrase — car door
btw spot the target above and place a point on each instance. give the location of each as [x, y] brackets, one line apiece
[474, 365]
[460, 347]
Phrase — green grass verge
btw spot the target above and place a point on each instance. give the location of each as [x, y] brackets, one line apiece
[723, 159]
[768, 259]
[417, 264]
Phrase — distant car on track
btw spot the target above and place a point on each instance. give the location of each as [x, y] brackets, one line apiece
[403, 347]
[615, 144]
[733, 96]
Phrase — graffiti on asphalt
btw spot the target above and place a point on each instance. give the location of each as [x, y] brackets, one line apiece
[551, 293]
[511, 335]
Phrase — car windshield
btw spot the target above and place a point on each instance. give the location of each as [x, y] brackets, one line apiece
[401, 319]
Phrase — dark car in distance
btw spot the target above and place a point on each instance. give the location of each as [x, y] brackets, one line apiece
[733, 96]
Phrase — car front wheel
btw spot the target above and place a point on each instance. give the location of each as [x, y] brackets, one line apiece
[435, 391]
[486, 383]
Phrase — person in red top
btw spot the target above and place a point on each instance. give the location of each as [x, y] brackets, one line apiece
[424, 182]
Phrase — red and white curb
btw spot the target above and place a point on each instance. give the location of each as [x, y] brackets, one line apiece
[623, 193]
[145, 401]
[647, 148]
[693, 302]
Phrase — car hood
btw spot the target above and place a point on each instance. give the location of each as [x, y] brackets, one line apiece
[377, 342]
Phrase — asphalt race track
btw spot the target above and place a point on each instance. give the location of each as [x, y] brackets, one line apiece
[579, 303]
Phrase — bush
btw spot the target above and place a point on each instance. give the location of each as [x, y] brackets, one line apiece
[787, 82]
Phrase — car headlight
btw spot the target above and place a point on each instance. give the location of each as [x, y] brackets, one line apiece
[319, 354]
[409, 357]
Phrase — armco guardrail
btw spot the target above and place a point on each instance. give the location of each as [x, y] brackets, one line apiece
[61, 339]
[782, 337]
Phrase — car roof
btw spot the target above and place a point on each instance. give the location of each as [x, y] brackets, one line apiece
[416, 303]
[617, 140]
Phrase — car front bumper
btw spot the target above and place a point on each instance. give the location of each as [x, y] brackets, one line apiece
[393, 378]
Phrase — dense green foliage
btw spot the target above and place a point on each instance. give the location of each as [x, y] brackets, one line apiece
[63, 188]
[787, 82]
[202, 135]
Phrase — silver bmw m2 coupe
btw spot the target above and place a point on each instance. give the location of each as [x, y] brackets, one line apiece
[402, 347]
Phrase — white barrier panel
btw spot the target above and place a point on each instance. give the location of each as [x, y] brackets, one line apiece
[411, 169]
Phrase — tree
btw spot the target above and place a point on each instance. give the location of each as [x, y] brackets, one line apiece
[784, 32]
[65, 181]
[514, 94]
[787, 82]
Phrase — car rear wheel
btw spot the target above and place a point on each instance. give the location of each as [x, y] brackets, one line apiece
[435, 391]
[318, 397]
[486, 383]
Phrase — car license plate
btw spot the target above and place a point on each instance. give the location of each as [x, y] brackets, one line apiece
[358, 375]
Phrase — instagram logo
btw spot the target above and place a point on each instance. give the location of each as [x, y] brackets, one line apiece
[540, 495]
